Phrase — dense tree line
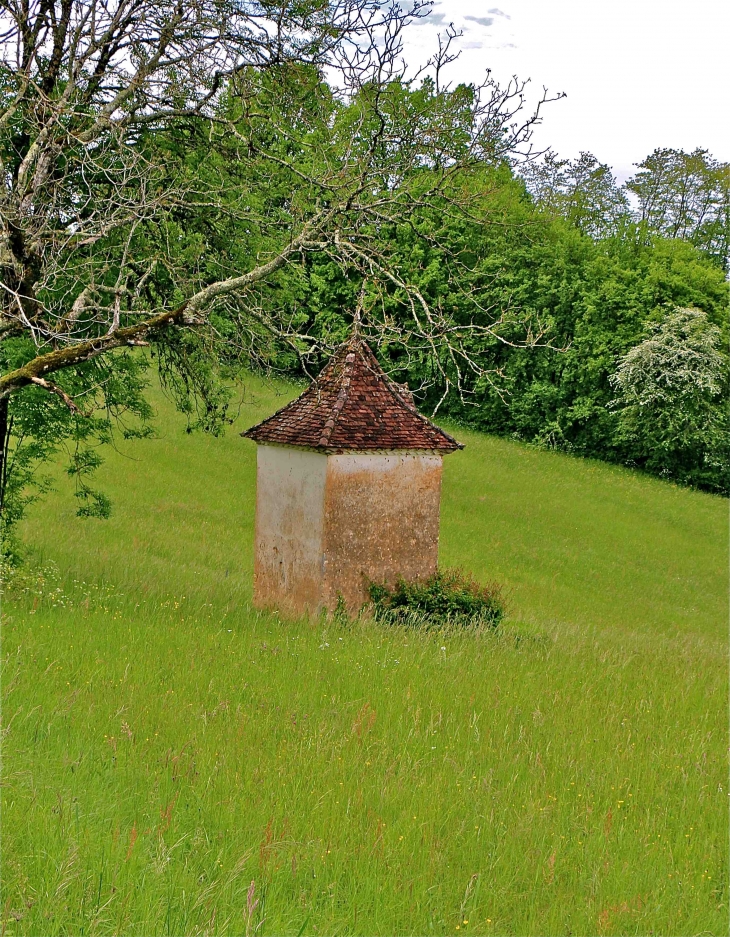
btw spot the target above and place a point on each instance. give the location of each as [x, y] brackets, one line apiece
[557, 283]
[193, 195]
[601, 284]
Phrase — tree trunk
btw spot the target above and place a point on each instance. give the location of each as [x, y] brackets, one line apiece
[5, 427]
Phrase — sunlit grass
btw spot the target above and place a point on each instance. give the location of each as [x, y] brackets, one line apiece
[167, 746]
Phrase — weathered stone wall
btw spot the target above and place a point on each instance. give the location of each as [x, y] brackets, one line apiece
[289, 529]
[326, 524]
[381, 520]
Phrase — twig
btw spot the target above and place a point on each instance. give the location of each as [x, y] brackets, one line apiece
[59, 392]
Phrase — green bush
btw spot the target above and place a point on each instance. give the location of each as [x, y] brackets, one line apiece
[450, 596]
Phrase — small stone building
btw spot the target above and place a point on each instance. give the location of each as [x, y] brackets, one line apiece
[348, 489]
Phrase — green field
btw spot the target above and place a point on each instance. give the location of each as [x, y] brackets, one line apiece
[176, 763]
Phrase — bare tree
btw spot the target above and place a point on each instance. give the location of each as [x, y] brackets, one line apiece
[87, 86]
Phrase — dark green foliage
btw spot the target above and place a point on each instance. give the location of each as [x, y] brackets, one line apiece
[450, 596]
[601, 300]
[575, 271]
[593, 300]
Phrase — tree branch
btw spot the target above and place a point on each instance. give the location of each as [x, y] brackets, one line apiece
[130, 335]
[58, 391]
[83, 351]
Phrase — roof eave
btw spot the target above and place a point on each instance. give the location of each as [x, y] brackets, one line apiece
[332, 450]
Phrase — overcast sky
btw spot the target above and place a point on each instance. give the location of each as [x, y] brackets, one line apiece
[638, 74]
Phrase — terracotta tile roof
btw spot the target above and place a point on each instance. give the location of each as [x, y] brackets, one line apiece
[353, 404]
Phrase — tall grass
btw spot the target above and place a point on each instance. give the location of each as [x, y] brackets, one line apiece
[177, 763]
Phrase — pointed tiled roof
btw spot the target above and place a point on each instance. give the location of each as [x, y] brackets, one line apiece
[353, 404]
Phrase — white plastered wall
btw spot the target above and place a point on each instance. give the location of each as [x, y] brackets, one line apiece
[289, 528]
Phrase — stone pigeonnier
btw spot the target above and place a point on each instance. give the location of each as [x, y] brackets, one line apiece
[348, 489]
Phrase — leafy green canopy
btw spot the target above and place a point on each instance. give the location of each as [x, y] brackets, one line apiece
[590, 301]
[196, 239]
[400, 201]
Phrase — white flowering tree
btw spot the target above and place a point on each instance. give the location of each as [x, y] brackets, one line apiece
[670, 393]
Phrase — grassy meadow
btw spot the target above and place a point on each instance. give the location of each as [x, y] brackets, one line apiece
[175, 762]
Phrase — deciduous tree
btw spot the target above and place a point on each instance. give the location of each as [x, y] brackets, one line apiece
[686, 195]
[120, 226]
[669, 406]
[582, 190]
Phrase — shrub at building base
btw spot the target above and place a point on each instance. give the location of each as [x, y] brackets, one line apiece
[449, 597]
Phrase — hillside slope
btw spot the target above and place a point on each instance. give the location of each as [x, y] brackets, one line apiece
[576, 541]
[175, 763]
